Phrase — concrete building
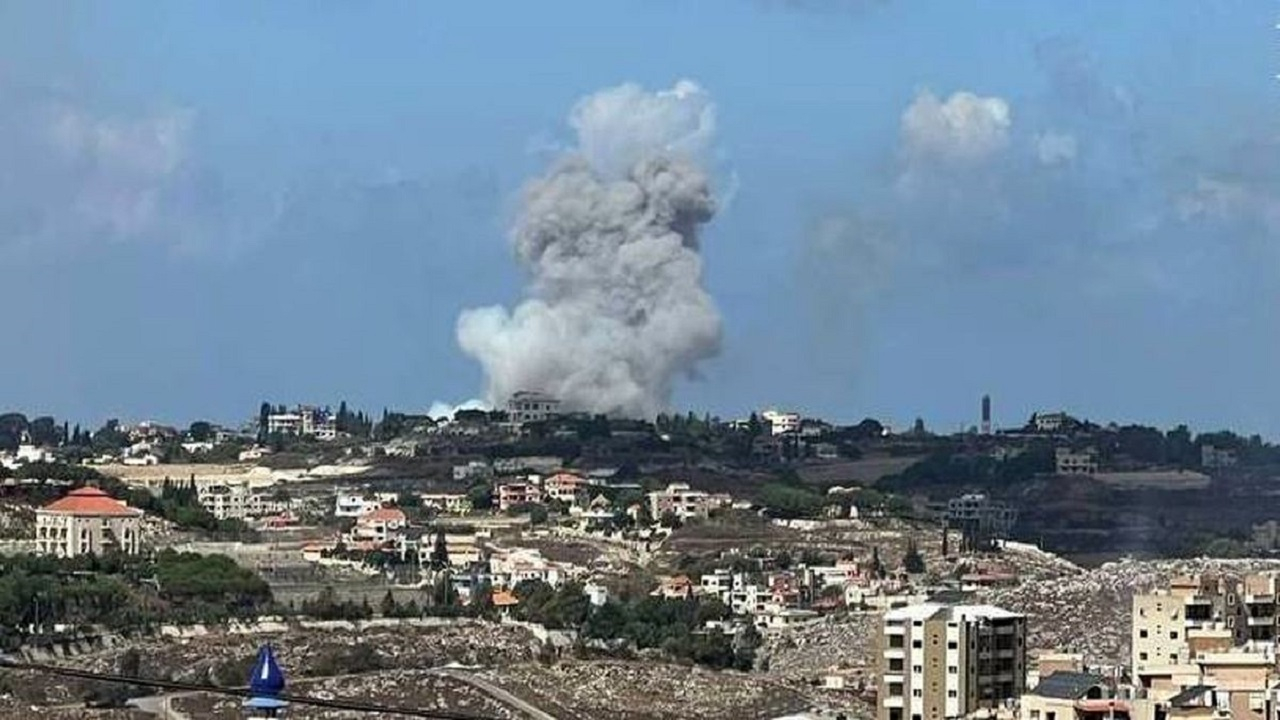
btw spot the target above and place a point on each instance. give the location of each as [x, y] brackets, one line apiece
[1203, 614]
[685, 502]
[1076, 462]
[450, 503]
[565, 487]
[87, 521]
[224, 501]
[380, 526]
[1213, 457]
[304, 421]
[515, 494]
[1072, 695]
[1051, 422]
[526, 407]
[781, 423]
[946, 661]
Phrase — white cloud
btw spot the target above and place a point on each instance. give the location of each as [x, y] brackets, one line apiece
[1228, 201]
[121, 167]
[965, 128]
[1055, 148]
[620, 126]
[73, 176]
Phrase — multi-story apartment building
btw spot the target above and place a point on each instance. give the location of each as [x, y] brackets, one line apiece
[685, 502]
[304, 421]
[781, 423]
[565, 487]
[514, 494]
[526, 406]
[87, 521]
[1072, 462]
[451, 503]
[1201, 614]
[945, 661]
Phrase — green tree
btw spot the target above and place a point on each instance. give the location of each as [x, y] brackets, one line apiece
[913, 561]
[388, 607]
[440, 552]
[200, 431]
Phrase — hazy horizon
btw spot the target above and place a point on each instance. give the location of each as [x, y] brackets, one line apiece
[207, 206]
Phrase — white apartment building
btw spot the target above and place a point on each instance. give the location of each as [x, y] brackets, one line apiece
[526, 407]
[354, 505]
[237, 501]
[87, 521]
[946, 661]
[450, 503]
[304, 421]
[781, 423]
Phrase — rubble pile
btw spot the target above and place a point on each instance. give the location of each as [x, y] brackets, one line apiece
[1090, 612]
[646, 691]
[223, 658]
[808, 651]
[416, 689]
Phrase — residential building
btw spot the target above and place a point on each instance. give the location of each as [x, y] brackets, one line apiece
[354, 505]
[473, 470]
[565, 487]
[515, 494]
[304, 421]
[510, 567]
[781, 423]
[450, 503]
[677, 587]
[1214, 457]
[87, 521]
[946, 661]
[380, 526]
[1069, 695]
[685, 502]
[1076, 462]
[527, 407]
[1051, 422]
[225, 501]
[464, 549]
[1202, 614]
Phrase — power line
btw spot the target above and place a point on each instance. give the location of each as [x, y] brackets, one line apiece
[335, 704]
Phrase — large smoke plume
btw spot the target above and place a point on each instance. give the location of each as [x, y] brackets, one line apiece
[615, 310]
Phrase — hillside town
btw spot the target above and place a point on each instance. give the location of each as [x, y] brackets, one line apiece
[851, 571]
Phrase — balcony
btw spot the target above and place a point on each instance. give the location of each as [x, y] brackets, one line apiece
[895, 653]
[1260, 599]
[1262, 621]
[892, 701]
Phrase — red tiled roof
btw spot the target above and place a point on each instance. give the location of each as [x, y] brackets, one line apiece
[503, 598]
[384, 515]
[91, 501]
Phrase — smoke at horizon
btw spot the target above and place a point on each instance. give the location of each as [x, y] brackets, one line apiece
[615, 309]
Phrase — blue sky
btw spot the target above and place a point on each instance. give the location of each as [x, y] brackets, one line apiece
[206, 204]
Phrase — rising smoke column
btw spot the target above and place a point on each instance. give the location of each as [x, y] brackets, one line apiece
[615, 309]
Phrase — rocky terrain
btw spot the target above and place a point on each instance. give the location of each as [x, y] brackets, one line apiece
[647, 691]
[1090, 611]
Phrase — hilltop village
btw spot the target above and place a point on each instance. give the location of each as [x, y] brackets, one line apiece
[752, 567]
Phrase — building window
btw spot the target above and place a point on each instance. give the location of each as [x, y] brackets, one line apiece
[1142, 634]
[1173, 657]
[1142, 656]
[917, 693]
[895, 665]
[953, 670]
[1050, 715]
[952, 694]
[917, 644]
[1035, 715]
[1173, 634]
[953, 645]
[917, 669]
[895, 689]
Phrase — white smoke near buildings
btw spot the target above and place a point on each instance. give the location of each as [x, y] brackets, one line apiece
[615, 310]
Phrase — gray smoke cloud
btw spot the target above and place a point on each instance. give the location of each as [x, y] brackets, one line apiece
[615, 310]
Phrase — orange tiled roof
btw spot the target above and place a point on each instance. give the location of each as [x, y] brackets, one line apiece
[91, 501]
[504, 598]
[384, 515]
